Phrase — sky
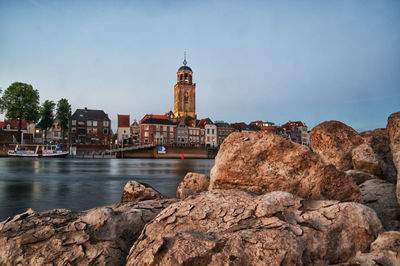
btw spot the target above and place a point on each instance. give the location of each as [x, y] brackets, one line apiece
[274, 61]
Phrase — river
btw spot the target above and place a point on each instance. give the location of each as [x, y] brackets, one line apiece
[81, 184]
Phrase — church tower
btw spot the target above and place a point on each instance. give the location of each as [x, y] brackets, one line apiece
[184, 104]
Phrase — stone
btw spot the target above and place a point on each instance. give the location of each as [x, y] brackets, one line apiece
[384, 250]
[393, 129]
[380, 195]
[261, 162]
[380, 143]
[135, 192]
[192, 184]
[235, 227]
[366, 160]
[101, 235]
[334, 141]
[359, 177]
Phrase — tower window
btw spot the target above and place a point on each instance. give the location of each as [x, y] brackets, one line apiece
[186, 76]
[181, 77]
[186, 98]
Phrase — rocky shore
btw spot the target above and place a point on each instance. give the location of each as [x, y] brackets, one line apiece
[268, 201]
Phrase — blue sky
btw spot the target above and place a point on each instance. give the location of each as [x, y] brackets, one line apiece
[252, 60]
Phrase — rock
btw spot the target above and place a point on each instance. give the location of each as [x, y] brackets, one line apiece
[334, 141]
[380, 195]
[235, 227]
[393, 129]
[192, 184]
[135, 192]
[384, 250]
[379, 141]
[366, 160]
[101, 235]
[359, 177]
[262, 162]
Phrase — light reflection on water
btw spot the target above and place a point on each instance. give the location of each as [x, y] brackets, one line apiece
[80, 184]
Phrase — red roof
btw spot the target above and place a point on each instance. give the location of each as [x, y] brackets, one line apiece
[256, 122]
[204, 122]
[14, 124]
[123, 121]
[153, 116]
[293, 124]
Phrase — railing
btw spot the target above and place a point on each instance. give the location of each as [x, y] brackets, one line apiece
[130, 148]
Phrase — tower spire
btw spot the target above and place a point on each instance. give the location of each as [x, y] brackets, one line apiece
[184, 60]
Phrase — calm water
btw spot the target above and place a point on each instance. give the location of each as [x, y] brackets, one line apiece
[80, 184]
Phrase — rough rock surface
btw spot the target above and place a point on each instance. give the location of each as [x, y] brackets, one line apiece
[235, 227]
[380, 195]
[359, 177]
[135, 192]
[60, 237]
[366, 160]
[379, 141]
[393, 129]
[385, 250]
[262, 162]
[334, 141]
[192, 184]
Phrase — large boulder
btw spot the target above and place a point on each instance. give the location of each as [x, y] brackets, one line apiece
[262, 162]
[366, 160]
[135, 192]
[384, 250]
[237, 227]
[393, 129]
[192, 184]
[378, 139]
[334, 141]
[101, 235]
[380, 195]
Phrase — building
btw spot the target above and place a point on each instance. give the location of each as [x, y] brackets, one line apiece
[196, 134]
[296, 131]
[124, 129]
[157, 130]
[182, 135]
[211, 139]
[54, 133]
[223, 131]
[90, 126]
[12, 125]
[185, 95]
[135, 133]
[261, 124]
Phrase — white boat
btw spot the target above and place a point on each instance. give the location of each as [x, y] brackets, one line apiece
[43, 150]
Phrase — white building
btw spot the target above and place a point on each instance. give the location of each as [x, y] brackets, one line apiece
[211, 135]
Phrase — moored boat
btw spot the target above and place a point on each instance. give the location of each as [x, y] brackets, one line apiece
[43, 150]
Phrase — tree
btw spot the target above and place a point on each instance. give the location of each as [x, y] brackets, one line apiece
[21, 102]
[187, 119]
[63, 115]
[46, 116]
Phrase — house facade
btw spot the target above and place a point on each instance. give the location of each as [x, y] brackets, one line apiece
[157, 130]
[90, 127]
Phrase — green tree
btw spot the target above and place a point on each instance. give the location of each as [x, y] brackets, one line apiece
[63, 115]
[187, 119]
[20, 102]
[46, 116]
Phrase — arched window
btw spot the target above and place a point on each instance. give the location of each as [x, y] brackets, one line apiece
[186, 76]
[181, 77]
[186, 98]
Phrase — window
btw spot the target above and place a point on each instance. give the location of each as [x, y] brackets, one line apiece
[81, 123]
[146, 127]
[181, 77]
[186, 76]
[90, 130]
[89, 123]
[56, 134]
[208, 131]
[95, 123]
[106, 124]
[105, 130]
[158, 128]
[73, 122]
[146, 134]
[213, 131]
[165, 128]
[73, 130]
[208, 139]
[95, 131]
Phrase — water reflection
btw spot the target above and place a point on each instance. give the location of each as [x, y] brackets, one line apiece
[79, 184]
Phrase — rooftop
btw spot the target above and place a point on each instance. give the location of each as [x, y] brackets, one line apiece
[88, 114]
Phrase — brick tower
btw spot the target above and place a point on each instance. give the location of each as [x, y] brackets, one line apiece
[185, 94]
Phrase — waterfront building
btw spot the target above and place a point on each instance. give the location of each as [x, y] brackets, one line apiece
[223, 131]
[195, 134]
[295, 131]
[157, 130]
[185, 94]
[211, 135]
[182, 135]
[12, 125]
[124, 129]
[135, 133]
[90, 126]
[54, 133]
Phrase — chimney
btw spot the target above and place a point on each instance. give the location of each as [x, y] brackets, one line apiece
[85, 109]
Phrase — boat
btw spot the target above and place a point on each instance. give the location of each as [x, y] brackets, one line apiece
[42, 150]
